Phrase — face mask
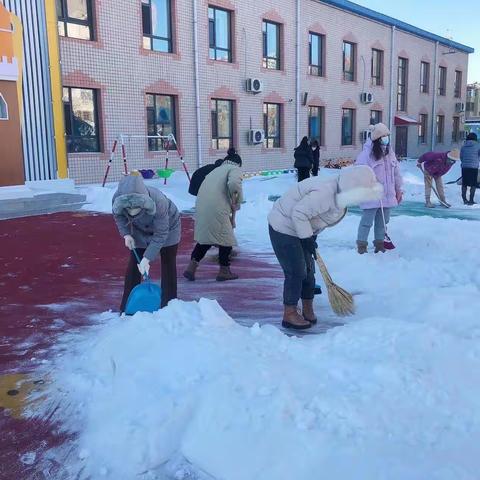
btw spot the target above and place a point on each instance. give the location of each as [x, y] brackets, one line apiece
[133, 211]
[385, 141]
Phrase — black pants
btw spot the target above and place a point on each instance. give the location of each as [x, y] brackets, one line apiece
[303, 173]
[298, 266]
[133, 277]
[315, 168]
[223, 254]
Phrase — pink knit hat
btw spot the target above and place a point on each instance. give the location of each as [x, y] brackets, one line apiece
[379, 130]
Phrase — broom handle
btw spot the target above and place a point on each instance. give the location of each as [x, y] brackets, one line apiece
[383, 218]
[323, 269]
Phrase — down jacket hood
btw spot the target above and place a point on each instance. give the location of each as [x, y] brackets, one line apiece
[356, 185]
[132, 193]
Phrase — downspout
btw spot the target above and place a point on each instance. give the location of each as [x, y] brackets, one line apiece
[297, 75]
[392, 78]
[197, 83]
[434, 103]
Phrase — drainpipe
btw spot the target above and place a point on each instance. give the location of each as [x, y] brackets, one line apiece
[392, 78]
[297, 73]
[197, 82]
[434, 103]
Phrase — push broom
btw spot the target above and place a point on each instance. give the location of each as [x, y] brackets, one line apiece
[340, 300]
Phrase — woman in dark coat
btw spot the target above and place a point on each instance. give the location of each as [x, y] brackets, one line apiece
[316, 157]
[303, 159]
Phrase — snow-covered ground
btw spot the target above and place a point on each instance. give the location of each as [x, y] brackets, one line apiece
[394, 394]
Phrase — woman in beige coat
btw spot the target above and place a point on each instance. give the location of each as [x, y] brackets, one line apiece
[294, 223]
[218, 199]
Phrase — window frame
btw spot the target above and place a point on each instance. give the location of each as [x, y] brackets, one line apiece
[457, 91]
[377, 76]
[212, 46]
[96, 103]
[442, 81]
[63, 19]
[423, 129]
[352, 142]
[456, 129]
[173, 107]
[214, 127]
[402, 84]
[380, 116]
[150, 36]
[5, 103]
[277, 139]
[440, 132]
[319, 69]
[266, 58]
[321, 121]
[353, 63]
[424, 72]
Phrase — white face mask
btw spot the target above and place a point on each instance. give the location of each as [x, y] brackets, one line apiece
[133, 211]
[385, 141]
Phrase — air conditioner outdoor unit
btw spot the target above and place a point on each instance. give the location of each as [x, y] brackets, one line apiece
[254, 85]
[364, 135]
[366, 97]
[459, 107]
[256, 136]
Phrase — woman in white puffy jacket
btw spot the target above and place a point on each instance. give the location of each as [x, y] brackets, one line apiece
[298, 217]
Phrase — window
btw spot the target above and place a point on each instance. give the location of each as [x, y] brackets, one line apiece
[271, 45]
[75, 19]
[316, 54]
[424, 77]
[271, 124]
[402, 82]
[316, 116]
[222, 123]
[458, 84]
[348, 125]
[422, 128]
[440, 128]
[157, 25]
[349, 57]
[442, 81]
[219, 28]
[3, 108]
[161, 120]
[375, 117]
[377, 67]
[470, 106]
[456, 130]
[81, 119]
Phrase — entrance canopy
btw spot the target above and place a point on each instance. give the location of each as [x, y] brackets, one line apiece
[404, 120]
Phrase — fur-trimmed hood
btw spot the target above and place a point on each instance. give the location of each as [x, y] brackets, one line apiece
[357, 185]
[132, 193]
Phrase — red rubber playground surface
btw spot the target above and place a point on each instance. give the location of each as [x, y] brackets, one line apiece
[58, 272]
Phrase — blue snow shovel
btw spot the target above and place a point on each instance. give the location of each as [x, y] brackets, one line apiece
[145, 297]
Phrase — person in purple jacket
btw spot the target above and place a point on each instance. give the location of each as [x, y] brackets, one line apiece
[435, 165]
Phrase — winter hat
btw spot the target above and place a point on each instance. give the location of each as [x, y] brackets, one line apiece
[472, 136]
[357, 184]
[379, 130]
[454, 155]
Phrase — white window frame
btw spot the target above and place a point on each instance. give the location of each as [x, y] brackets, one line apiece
[6, 108]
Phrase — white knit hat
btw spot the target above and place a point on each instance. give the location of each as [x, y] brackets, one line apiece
[379, 130]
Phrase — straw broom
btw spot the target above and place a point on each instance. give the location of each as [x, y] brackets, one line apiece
[340, 300]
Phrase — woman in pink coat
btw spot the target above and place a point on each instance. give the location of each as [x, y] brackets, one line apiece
[378, 155]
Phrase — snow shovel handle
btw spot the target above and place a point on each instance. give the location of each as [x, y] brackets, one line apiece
[145, 275]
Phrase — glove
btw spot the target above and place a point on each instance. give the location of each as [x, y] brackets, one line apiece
[310, 245]
[129, 242]
[399, 197]
[144, 266]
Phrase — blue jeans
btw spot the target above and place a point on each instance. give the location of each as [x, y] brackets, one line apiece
[298, 267]
[369, 216]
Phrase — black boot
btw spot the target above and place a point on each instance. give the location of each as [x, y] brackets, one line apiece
[472, 196]
[464, 195]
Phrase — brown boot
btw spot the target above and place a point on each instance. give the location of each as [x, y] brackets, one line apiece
[225, 274]
[292, 319]
[362, 247]
[189, 273]
[307, 311]
[379, 246]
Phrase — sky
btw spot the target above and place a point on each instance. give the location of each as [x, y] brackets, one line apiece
[447, 18]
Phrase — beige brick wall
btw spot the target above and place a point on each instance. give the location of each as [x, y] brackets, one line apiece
[123, 72]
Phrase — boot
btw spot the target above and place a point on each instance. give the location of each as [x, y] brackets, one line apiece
[379, 246]
[429, 204]
[225, 274]
[189, 273]
[292, 319]
[464, 195]
[362, 247]
[307, 311]
[472, 196]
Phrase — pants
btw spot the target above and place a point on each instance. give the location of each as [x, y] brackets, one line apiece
[369, 216]
[133, 277]
[303, 173]
[428, 187]
[315, 168]
[298, 267]
[223, 254]
[469, 179]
